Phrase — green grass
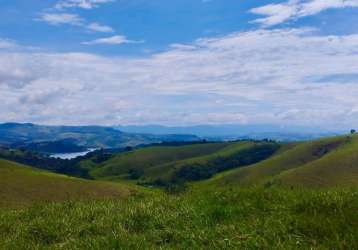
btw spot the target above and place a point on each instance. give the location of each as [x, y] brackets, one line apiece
[235, 210]
[22, 186]
[210, 218]
[321, 163]
[146, 158]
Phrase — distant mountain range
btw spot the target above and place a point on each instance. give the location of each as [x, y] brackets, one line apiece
[235, 131]
[63, 139]
[52, 147]
[48, 138]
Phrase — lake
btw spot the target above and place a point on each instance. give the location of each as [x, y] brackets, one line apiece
[69, 156]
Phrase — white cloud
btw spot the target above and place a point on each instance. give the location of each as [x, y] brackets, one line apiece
[100, 28]
[7, 44]
[290, 76]
[276, 13]
[113, 40]
[73, 19]
[55, 16]
[61, 18]
[83, 4]
[293, 9]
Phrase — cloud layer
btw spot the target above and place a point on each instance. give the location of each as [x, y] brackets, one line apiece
[287, 76]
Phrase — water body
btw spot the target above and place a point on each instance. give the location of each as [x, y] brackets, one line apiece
[69, 156]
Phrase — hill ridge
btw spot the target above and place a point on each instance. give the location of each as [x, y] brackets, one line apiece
[305, 155]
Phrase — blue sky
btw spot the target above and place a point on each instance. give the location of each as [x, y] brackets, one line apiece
[180, 62]
[159, 23]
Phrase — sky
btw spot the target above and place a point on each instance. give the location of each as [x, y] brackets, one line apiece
[179, 62]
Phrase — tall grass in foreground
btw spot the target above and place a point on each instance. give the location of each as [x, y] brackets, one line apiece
[227, 218]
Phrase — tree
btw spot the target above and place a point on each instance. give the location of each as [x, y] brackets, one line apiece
[353, 131]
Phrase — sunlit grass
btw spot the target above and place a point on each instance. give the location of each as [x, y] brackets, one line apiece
[21, 186]
[224, 218]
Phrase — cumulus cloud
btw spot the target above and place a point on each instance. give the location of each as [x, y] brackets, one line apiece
[83, 4]
[113, 40]
[100, 28]
[294, 9]
[279, 76]
[61, 18]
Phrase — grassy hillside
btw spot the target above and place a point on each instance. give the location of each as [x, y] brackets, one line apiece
[338, 168]
[167, 168]
[149, 157]
[220, 218]
[187, 163]
[325, 162]
[262, 212]
[203, 167]
[21, 185]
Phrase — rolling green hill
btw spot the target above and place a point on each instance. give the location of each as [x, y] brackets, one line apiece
[321, 163]
[187, 163]
[167, 168]
[250, 206]
[150, 157]
[203, 167]
[338, 168]
[21, 185]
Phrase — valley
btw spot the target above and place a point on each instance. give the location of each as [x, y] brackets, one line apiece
[244, 194]
[178, 125]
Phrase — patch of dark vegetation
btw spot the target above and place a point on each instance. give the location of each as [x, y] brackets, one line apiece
[203, 171]
[195, 172]
[135, 173]
[326, 148]
[243, 158]
[97, 157]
